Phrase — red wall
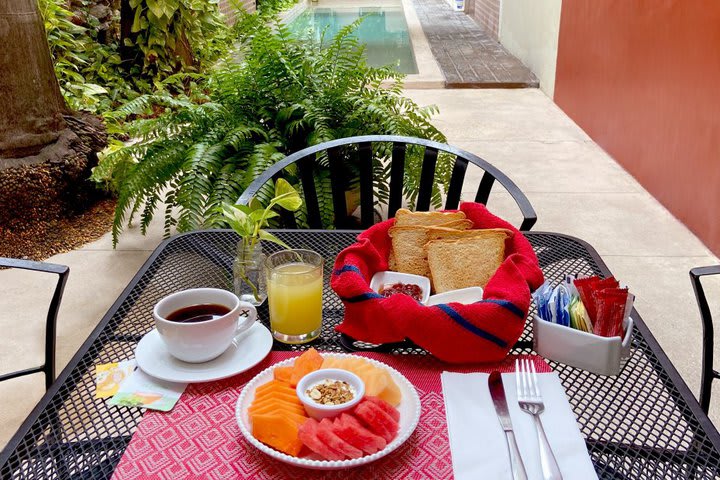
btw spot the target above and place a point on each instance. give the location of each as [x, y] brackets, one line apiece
[642, 78]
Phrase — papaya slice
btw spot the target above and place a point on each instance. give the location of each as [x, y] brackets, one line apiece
[285, 407]
[300, 419]
[273, 385]
[258, 402]
[274, 402]
[278, 432]
[283, 374]
[308, 362]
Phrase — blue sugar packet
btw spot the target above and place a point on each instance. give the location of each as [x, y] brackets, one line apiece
[553, 304]
[542, 299]
[562, 305]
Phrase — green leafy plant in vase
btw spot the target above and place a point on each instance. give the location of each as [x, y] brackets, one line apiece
[248, 221]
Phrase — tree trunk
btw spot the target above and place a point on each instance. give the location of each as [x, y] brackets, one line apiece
[45, 153]
[33, 107]
[128, 54]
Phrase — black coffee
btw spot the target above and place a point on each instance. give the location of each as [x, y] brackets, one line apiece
[198, 313]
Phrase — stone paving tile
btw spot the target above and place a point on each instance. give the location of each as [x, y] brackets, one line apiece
[469, 57]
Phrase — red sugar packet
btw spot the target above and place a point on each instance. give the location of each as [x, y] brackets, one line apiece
[610, 311]
[586, 286]
[606, 304]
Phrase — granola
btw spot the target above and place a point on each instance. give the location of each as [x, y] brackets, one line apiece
[331, 392]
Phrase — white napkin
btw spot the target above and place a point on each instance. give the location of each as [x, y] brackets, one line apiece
[477, 441]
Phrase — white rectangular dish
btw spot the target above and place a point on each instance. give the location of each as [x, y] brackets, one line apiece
[596, 354]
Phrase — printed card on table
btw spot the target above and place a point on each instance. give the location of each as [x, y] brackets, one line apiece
[109, 377]
[141, 390]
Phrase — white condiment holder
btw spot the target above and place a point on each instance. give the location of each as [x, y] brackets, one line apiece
[596, 354]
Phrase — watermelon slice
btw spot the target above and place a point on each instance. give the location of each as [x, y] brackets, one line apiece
[377, 420]
[308, 435]
[384, 406]
[349, 429]
[326, 434]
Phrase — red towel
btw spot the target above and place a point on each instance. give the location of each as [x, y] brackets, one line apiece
[480, 332]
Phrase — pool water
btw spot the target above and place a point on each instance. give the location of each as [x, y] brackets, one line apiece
[384, 32]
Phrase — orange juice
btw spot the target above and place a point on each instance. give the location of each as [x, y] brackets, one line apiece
[295, 301]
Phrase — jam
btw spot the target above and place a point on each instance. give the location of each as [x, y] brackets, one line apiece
[407, 288]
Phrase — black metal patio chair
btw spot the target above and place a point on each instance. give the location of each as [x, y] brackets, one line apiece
[48, 368]
[708, 373]
[362, 153]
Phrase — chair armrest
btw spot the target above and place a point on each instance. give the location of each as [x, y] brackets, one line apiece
[50, 327]
[698, 272]
[34, 266]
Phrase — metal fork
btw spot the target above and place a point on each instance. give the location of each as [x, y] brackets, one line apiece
[531, 402]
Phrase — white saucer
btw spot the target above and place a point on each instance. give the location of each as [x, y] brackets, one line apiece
[153, 358]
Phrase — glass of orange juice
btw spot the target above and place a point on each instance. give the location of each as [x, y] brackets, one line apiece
[294, 288]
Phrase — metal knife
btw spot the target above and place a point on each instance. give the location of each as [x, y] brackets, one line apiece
[497, 392]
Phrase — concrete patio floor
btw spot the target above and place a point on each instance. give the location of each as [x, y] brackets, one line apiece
[573, 184]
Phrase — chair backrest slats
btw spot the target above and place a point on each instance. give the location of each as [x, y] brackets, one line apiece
[364, 159]
[483, 192]
[397, 177]
[427, 179]
[305, 168]
[456, 182]
[338, 184]
[367, 204]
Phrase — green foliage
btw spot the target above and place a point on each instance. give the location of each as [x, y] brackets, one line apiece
[91, 74]
[175, 34]
[285, 95]
[248, 220]
[274, 6]
[87, 71]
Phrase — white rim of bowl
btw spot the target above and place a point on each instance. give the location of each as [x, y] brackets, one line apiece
[398, 441]
[306, 400]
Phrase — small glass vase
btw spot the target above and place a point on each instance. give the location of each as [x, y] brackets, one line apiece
[248, 274]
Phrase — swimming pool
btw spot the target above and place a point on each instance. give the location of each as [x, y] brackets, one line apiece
[384, 32]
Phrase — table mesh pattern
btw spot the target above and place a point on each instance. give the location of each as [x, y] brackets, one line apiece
[637, 424]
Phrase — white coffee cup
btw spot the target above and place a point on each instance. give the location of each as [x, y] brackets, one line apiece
[197, 342]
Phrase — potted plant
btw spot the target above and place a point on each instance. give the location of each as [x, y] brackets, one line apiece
[248, 221]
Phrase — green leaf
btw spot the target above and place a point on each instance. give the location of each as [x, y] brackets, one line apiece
[255, 204]
[267, 236]
[137, 24]
[257, 215]
[286, 196]
[238, 220]
[155, 7]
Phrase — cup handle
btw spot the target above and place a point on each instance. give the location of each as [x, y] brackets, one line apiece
[245, 324]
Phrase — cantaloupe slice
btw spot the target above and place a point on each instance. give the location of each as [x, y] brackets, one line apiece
[331, 362]
[308, 362]
[391, 393]
[277, 431]
[283, 374]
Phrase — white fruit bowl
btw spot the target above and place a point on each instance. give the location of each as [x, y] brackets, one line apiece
[409, 409]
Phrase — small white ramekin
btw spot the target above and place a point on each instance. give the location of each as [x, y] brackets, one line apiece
[319, 411]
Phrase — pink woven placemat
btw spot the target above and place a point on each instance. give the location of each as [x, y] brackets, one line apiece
[200, 437]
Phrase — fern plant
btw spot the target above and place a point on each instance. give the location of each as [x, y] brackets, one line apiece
[284, 95]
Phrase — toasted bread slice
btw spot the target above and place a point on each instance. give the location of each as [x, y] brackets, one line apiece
[392, 264]
[404, 217]
[465, 262]
[408, 244]
[441, 232]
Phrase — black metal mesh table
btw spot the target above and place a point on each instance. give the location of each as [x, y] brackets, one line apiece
[643, 423]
